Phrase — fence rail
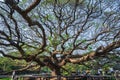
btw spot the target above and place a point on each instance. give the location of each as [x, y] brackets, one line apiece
[78, 77]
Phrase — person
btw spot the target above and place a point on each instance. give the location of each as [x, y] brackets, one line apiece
[86, 75]
[117, 75]
[13, 75]
[99, 71]
[111, 70]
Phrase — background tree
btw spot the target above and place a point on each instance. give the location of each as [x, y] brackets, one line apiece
[53, 33]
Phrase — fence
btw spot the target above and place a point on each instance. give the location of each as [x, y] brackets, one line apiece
[80, 77]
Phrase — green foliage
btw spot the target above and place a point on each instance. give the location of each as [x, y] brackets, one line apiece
[45, 69]
[90, 49]
[7, 64]
[35, 17]
[23, 1]
[5, 79]
[54, 41]
[30, 50]
[65, 36]
[81, 41]
[47, 2]
[46, 17]
[74, 68]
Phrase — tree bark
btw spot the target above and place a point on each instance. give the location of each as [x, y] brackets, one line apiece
[56, 74]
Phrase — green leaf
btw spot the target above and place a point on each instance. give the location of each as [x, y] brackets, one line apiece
[23, 1]
[83, 41]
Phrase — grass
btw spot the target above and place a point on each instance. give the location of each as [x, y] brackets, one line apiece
[5, 79]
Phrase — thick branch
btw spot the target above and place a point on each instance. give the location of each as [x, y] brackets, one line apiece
[97, 53]
[32, 23]
[32, 6]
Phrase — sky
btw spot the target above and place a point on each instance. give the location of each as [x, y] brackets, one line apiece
[3, 0]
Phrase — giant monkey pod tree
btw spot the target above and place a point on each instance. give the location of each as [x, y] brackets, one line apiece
[53, 33]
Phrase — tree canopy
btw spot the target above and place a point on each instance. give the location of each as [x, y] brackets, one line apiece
[53, 33]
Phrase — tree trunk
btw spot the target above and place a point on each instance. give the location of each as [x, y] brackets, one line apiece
[56, 74]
